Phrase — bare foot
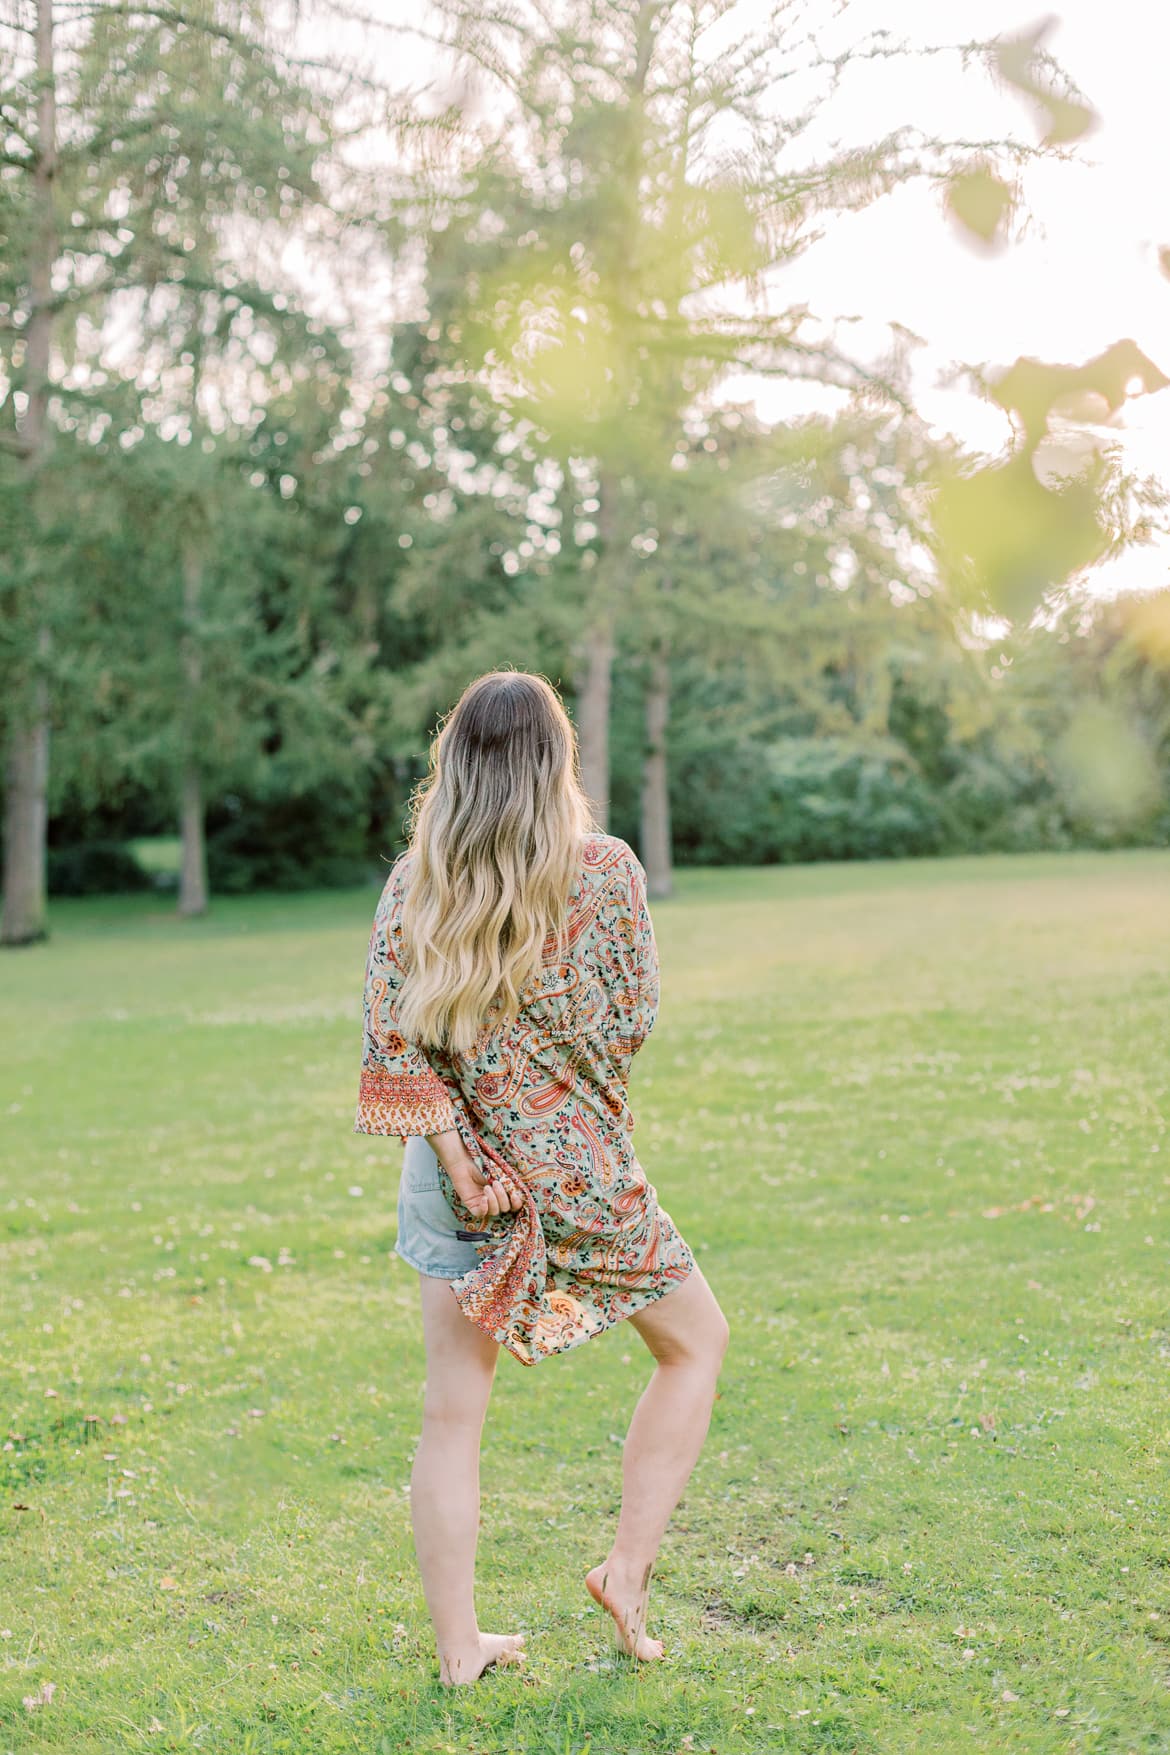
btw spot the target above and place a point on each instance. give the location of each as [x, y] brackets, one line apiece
[627, 1604]
[456, 1668]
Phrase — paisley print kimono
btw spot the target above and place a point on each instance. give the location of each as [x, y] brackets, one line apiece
[543, 1103]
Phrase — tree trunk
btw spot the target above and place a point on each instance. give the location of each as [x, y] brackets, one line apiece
[593, 691]
[599, 646]
[597, 655]
[656, 850]
[193, 868]
[26, 778]
[596, 652]
[193, 864]
[25, 823]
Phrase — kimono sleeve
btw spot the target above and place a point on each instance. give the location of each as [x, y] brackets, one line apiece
[400, 1091]
[645, 956]
[629, 957]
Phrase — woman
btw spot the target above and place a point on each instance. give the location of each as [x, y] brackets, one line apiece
[512, 976]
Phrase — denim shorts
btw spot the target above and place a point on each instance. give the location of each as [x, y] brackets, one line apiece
[428, 1232]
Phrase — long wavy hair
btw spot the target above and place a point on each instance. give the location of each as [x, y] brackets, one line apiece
[495, 838]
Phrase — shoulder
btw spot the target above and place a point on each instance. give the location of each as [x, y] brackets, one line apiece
[614, 882]
[608, 856]
[393, 886]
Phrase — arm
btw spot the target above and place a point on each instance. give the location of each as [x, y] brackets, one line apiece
[400, 1091]
[484, 1198]
[628, 955]
[645, 958]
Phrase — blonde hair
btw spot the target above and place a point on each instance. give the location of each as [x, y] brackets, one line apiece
[495, 845]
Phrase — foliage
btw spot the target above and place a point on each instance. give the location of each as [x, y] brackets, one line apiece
[270, 543]
[288, 843]
[95, 868]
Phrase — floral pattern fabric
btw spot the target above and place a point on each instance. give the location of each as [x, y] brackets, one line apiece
[543, 1103]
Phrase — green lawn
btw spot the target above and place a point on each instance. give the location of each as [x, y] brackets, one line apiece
[914, 1119]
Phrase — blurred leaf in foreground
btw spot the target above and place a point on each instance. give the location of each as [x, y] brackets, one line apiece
[982, 203]
[1022, 62]
[1149, 629]
[1012, 539]
[1012, 531]
[1034, 389]
[1106, 770]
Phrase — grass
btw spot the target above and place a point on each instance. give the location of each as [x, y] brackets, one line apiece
[913, 1117]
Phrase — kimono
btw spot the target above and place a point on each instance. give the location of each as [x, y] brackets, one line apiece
[543, 1103]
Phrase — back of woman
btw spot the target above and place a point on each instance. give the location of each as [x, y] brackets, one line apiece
[512, 976]
[547, 1099]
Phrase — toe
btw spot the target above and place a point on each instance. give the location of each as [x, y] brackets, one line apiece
[503, 1648]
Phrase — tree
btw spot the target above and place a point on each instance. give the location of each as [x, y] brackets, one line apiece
[792, 559]
[621, 225]
[27, 764]
[142, 143]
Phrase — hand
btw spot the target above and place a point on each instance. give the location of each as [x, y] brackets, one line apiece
[483, 1198]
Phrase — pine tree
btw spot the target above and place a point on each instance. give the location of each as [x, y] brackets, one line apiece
[143, 144]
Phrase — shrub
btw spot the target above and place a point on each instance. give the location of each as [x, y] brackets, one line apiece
[95, 868]
[300, 843]
[832, 799]
[805, 798]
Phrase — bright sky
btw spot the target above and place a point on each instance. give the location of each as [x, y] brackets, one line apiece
[1084, 272]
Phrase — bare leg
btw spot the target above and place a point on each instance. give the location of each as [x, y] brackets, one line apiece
[687, 1333]
[444, 1485]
